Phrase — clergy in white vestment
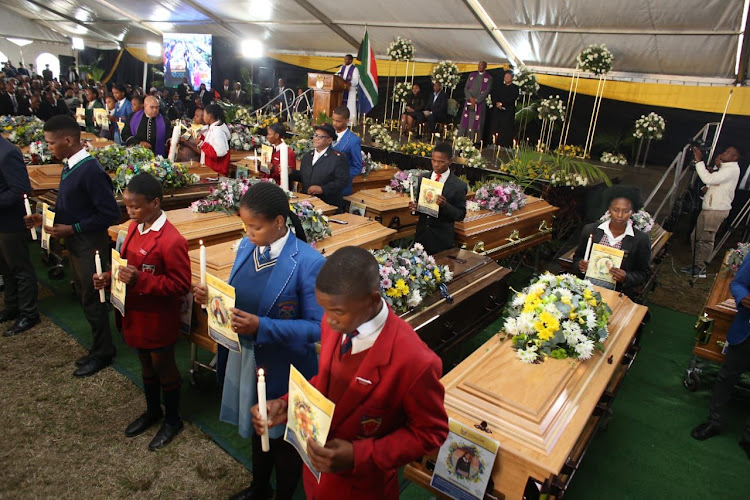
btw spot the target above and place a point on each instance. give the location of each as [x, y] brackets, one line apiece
[350, 73]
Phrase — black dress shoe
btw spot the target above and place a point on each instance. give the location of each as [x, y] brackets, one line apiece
[142, 423]
[6, 315]
[745, 445]
[165, 435]
[92, 366]
[83, 360]
[254, 493]
[705, 430]
[21, 326]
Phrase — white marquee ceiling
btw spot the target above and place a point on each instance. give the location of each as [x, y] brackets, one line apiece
[690, 38]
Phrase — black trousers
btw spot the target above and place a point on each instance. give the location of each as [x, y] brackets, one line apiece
[285, 459]
[82, 248]
[736, 362]
[21, 292]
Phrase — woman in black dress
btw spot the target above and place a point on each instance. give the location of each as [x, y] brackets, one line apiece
[414, 111]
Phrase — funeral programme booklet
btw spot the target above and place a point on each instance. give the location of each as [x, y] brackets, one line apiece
[429, 191]
[464, 463]
[602, 259]
[118, 288]
[309, 415]
[220, 301]
[48, 219]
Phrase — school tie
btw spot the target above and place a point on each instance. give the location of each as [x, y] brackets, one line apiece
[437, 177]
[346, 345]
[265, 255]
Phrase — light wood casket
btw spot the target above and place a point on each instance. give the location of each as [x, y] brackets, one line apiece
[721, 308]
[376, 179]
[540, 413]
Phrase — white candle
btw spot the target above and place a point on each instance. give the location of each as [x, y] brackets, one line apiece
[264, 441]
[284, 165]
[98, 262]
[588, 248]
[203, 267]
[411, 191]
[28, 212]
[175, 141]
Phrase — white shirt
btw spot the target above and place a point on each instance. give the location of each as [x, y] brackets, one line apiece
[720, 184]
[605, 227]
[73, 160]
[218, 137]
[277, 246]
[339, 135]
[317, 155]
[443, 176]
[156, 226]
[369, 331]
[120, 104]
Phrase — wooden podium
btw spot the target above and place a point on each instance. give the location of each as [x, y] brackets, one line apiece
[329, 91]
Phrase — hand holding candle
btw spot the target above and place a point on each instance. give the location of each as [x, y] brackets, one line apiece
[203, 266]
[98, 263]
[28, 212]
[263, 410]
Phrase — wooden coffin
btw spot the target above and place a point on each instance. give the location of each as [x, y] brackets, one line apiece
[317, 203]
[236, 155]
[543, 415]
[44, 177]
[213, 227]
[721, 308]
[202, 171]
[500, 235]
[390, 209]
[377, 179]
[100, 143]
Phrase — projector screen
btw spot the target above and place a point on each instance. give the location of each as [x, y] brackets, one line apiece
[187, 56]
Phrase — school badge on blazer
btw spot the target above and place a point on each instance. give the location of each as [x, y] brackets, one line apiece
[288, 309]
[148, 268]
[370, 425]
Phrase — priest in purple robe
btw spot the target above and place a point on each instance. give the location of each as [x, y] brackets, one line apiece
[474, 113]
[350, 73]
[149, 128]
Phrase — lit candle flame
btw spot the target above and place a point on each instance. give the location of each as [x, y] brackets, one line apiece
[201, 242]
[261, 372]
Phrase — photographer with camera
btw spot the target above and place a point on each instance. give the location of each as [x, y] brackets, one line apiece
[717, 202]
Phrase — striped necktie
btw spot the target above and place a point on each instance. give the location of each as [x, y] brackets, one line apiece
[346, 345]
[265, 255]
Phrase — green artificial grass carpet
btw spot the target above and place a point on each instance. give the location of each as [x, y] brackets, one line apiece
[645, 452]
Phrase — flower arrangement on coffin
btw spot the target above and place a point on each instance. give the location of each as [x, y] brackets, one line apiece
[24, 132]
[9, 122]
[737, 256]
[650, 126]
[260, 122]
[596, 59]
[526, 81]
[402, 180]
[417, 148]
[225, 197]
[557, 316]
[408, 275]
[368, 165]
[112, 157]
[641, 220]
[381, 138]
[446, 73]
[551, 108]
[171, 175]
[570, 150]
[401, 91]
[314, 223]
[500, 197]
[301, 146]
[242, 138]
[38, 154]
[616, 158]
[244, 117]
[400, 50]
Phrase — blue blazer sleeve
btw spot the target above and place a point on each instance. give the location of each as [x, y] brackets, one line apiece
[305, 329]
[355, 153]
[740, 285]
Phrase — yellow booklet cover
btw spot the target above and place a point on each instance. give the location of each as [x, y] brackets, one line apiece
[48, 219]
[100, 116]
[602, 259]
[429, 191]
[220, 301]
[81, 116]
[309, 415]
[118, 288]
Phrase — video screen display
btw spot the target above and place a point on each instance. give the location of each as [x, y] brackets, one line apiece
[187, 56]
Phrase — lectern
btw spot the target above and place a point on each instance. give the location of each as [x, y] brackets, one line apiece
[329, 91]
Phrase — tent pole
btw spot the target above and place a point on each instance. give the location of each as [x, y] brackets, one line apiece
[145, 75]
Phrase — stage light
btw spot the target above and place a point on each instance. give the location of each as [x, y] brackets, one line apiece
[77, 43]
[252, 49]
[153, 49]
[21, 42]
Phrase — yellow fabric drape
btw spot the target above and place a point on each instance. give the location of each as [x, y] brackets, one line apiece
[143, 56]
[114, 67]
[709, 99]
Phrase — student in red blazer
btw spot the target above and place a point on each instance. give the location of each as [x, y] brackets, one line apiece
[157, 277]
[384, 380]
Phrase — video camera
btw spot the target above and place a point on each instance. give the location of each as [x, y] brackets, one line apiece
[703, 146]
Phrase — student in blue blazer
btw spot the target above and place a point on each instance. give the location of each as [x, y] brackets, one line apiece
[278, 322]
[348, 143]
[123, 110]
[736, 361]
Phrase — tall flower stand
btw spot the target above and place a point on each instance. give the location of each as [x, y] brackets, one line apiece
[638, 155]
[572, 93]
[545, 136]
[595, 116]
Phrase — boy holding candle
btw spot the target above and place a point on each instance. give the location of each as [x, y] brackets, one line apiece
[384, 381]
[85, 208]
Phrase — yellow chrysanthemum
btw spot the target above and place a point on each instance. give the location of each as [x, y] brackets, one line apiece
[565, 300]
[546, 334]
[436, 272]
[587, 294]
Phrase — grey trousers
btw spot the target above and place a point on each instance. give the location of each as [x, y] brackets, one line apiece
[706, 227]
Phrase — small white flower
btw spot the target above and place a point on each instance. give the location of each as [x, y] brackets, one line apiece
[519, 299]
[585, 349]
[511, 326]
[527, 355]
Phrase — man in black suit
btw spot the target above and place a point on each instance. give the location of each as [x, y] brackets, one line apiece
[437, 233]
[226, 89]
[24, 103]
[238, 96]
[436, 110]
[23, 71]
[8, 100]
[324, 172]
[52, 106]
[15, 262]
[47, 73]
